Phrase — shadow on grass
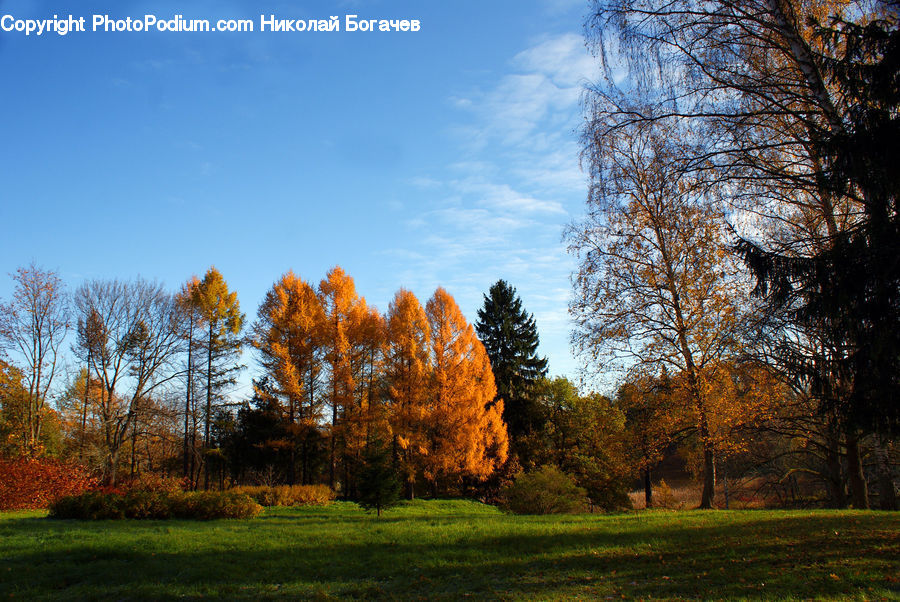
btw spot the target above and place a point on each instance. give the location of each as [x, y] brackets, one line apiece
[705, 555]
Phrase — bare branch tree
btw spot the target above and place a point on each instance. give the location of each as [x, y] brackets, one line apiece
[135, 340]
[32, 327]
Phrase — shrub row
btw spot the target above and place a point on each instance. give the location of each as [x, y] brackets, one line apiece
[289, 495]
[142, 504]
[37, 482]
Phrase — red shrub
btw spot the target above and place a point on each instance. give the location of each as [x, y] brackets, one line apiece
[38, 482]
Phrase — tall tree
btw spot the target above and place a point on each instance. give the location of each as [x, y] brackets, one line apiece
[288, 334]
[191, 321]
[221, 313]
[852, 284]
[137, 339]
[90, 333]
[337, 294]
[32, 326]
[366, 413]
[510, 337]
[655, 284]
[407, 370]
[467, 434]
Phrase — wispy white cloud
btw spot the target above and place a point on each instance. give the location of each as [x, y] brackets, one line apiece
[563, 59]
[499, 212]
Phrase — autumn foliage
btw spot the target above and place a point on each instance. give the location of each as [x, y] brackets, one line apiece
[417, 378]
[468, 434]
[38, 482]
[289, 495]
[337, 376]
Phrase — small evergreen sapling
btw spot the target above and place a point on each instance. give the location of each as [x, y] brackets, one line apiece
[379, 485]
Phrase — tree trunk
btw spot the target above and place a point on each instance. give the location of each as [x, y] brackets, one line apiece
[87, 386]
[331, 459]
[292, 461]
[707, 499]
[195, 478]
[837, 495]
[648, 489]
[859, 495]
[887, 494]
[133, 447]
[187, 396]
[209, 355]
[112, 461]
[709, 478]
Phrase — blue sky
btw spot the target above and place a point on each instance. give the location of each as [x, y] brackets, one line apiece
[443, 157]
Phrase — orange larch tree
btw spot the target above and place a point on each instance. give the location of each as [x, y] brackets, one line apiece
[466, 431]
[363, 414]
[406, 370]
[288, 335]
[337, 294]
[221, 314]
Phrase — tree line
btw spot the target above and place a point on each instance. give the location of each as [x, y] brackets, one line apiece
[156, 370]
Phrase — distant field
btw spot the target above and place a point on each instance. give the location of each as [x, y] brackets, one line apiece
[447, 549]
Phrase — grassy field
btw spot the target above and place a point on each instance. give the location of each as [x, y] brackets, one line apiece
[449, 549]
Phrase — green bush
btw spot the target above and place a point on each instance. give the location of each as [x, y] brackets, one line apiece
[289, 495]
[544, 491]
[92, 505]
[206, 505]
[155, 505]
[605, 481]
[147, 504]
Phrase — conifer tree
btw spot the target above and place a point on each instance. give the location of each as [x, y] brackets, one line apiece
[222, 317]
[468, 436]
[288, 334]
[379, 486]
[337, 294]
[510, 337]
[407, 371]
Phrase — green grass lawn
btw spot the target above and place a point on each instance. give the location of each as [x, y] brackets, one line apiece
[449, 549]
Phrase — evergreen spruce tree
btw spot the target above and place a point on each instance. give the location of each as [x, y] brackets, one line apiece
[510, 336]
[379, 484]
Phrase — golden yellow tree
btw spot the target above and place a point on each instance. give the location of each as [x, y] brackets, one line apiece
[337, 294]
[407, 372]
[656, 283]
[467, 435]
[221, 314]
[363, 414]
[288, 334]
[13, 400]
